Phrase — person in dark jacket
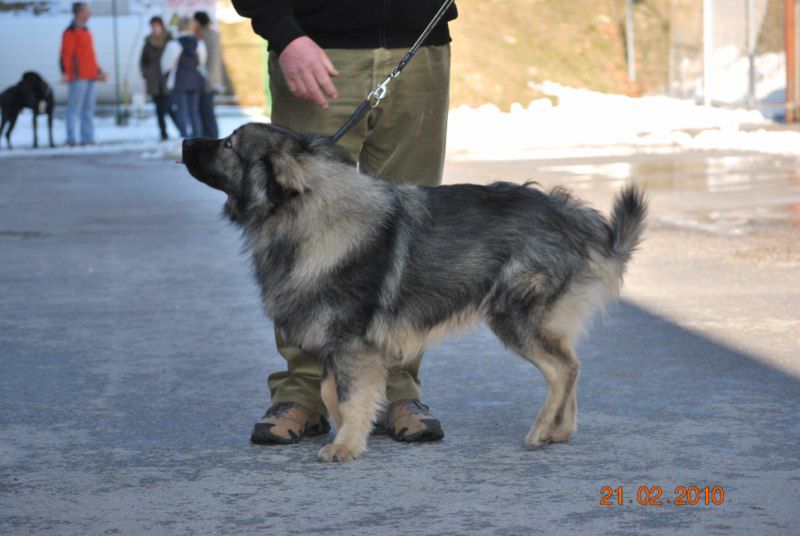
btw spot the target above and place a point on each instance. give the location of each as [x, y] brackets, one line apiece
[357, 43]
[183, 62]
[150, 64]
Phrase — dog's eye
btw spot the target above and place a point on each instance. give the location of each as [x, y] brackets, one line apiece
[227, 144]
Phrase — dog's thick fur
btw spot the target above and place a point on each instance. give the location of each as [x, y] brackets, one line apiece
[30, 92]
[364, 273]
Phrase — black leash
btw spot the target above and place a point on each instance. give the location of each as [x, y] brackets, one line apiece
[376, 95]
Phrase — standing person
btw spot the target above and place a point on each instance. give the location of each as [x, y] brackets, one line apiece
[183, 61]
[150, 65]
[402, 140]
[80, 70]
[213, 83]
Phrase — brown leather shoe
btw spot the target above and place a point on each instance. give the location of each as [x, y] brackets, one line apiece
[288, 422]
[409, 420]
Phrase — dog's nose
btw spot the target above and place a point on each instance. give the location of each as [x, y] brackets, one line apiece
[187, 143]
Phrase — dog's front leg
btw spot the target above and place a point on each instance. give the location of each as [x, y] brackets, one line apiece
[353, 391]
[12, 120]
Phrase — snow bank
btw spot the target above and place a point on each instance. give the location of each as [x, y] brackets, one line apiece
[590, 123]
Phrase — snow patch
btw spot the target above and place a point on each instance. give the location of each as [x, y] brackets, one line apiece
[587, 123]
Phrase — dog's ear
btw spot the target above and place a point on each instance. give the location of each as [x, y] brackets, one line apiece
[289, 172]
[277, 193]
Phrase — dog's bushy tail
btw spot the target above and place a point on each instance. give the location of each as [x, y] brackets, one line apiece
[627, 224]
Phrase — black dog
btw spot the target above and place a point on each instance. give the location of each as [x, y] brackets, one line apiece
[31, 92]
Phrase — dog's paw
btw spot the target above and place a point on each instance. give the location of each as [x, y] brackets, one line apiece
[336, 452]
[534, 440]
[542, 436]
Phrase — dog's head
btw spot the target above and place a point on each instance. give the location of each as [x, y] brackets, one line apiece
[34, 88]
[262, 168]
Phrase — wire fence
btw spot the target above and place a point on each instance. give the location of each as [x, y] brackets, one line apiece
[729, 52]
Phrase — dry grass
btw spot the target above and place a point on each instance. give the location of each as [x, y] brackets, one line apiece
[501, 46]
[243, 58]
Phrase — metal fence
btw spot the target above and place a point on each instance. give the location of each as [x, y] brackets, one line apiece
[730, 52]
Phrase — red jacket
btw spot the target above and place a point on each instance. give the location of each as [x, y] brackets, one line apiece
[77, 54]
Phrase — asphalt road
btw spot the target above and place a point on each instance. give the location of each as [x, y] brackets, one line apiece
[134, 354]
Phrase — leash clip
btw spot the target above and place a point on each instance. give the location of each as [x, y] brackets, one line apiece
[376, 95]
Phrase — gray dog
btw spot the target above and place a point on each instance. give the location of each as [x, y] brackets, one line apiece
[364, 273]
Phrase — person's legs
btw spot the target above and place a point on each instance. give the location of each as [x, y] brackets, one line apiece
[87, 114]
[75, 99]
[193, 105]
[181, 111]
[405, 142]
[171, 109]
[301, 381]
[161, 109]
[407, 132]
[207, 115]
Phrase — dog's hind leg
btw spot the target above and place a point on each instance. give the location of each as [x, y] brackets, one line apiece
[35, 131]
[50, 124]
[559, 365]
[358, 385]
[514, 322]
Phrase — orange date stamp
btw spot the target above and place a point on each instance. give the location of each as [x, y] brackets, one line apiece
[654, 496]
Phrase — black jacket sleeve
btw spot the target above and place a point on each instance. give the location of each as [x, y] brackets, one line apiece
[271, 19]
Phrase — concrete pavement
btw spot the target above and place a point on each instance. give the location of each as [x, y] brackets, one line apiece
[134, 354]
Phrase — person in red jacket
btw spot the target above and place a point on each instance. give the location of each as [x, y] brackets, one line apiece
[80, 71]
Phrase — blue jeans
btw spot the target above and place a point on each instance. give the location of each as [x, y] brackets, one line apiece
[80, 109]
[187, 112]
[207, 115]
[164, 107]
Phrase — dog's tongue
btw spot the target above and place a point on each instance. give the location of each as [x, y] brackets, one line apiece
[179, 161]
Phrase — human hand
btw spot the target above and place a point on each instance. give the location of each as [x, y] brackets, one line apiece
[64, 78]
[307, 70]
[101, 76]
